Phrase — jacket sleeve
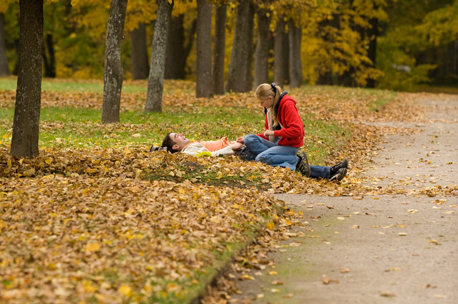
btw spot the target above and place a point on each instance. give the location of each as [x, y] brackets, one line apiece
[225, 151]
[266, 127]
[292, 123]
[195, 148]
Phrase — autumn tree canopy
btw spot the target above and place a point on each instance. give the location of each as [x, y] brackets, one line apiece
[383, 43]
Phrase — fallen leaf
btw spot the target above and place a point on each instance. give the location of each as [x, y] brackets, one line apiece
[387, 294]
[92, 247]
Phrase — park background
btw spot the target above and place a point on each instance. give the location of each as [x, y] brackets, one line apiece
[93, 216]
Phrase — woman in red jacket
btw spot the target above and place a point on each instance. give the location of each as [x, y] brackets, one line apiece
[283, 136]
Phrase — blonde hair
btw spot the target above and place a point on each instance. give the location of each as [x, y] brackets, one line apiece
[266, 90]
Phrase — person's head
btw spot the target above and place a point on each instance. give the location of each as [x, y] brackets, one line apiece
[174, 142]
[268, 95]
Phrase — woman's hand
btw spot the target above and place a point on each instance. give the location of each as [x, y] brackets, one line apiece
[236, 146]
[241, 140]
[268, 133]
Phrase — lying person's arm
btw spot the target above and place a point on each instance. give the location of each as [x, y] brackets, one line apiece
[195, 148]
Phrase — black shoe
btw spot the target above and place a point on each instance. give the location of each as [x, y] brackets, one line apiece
[342, 164]
[303, 164]
[246, 154]
[339, 175]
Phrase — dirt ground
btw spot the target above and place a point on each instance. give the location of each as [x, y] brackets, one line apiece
[377, 249]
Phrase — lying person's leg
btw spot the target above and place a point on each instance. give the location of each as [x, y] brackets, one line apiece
[279, 156]
[336, 172]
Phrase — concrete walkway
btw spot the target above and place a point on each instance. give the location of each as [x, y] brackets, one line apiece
[378, 249]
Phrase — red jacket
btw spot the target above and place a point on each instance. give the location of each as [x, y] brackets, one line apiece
[292, 131]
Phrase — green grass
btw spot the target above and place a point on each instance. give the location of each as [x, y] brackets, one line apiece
[64, 86]
[71, 127]
[381, 101]
[322, 138]
[81, 128]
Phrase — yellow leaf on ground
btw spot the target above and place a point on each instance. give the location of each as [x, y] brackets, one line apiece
[92, 247]
[125, 290]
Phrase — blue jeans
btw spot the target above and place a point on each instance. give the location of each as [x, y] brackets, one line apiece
[320, 172]
[280, 156]
[271, 153]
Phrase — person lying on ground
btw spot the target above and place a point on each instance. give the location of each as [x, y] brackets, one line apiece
[279, 144]
[177, 142]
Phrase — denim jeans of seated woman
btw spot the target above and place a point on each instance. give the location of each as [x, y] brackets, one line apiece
[280, 156]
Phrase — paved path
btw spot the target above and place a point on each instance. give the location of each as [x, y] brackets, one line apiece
[380, 249]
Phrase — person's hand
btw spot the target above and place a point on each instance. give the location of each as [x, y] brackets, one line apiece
[236, 146]
[268, 133]
[241, 140]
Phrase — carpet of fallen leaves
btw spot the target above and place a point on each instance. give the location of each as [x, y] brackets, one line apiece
[125, 225]
[79, 238]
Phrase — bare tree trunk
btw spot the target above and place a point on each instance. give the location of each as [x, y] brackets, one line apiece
[236, 77]
[4, 69]
[250, 45]
[219, 49]
[175, 60]
[177, 50]
[372, 33]
[261, 71]
[281, 53]
[204, 49]
[188, 45]
[139, 52]
[295, 63]
[50, 65]
[156, 71]
[26, 123]
[113, 74]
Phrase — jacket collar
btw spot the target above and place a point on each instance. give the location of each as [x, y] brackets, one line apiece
[277, 106]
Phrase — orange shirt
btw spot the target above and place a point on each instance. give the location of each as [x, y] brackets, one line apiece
[213, 146]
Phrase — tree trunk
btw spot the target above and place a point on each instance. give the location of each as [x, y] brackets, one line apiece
[261, 71]
[372, 33]
[49, 62]
[139, 52]
[156, 71]
[250, 45]
[188, 45]
[219, 49]
[4, 69]
[175, 60]
[281, 54]
[26, 123]
[295, 63]
[236, 77]
[204, 49]
[113, 74]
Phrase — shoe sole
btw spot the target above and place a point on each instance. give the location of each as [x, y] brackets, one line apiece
[339, 175]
